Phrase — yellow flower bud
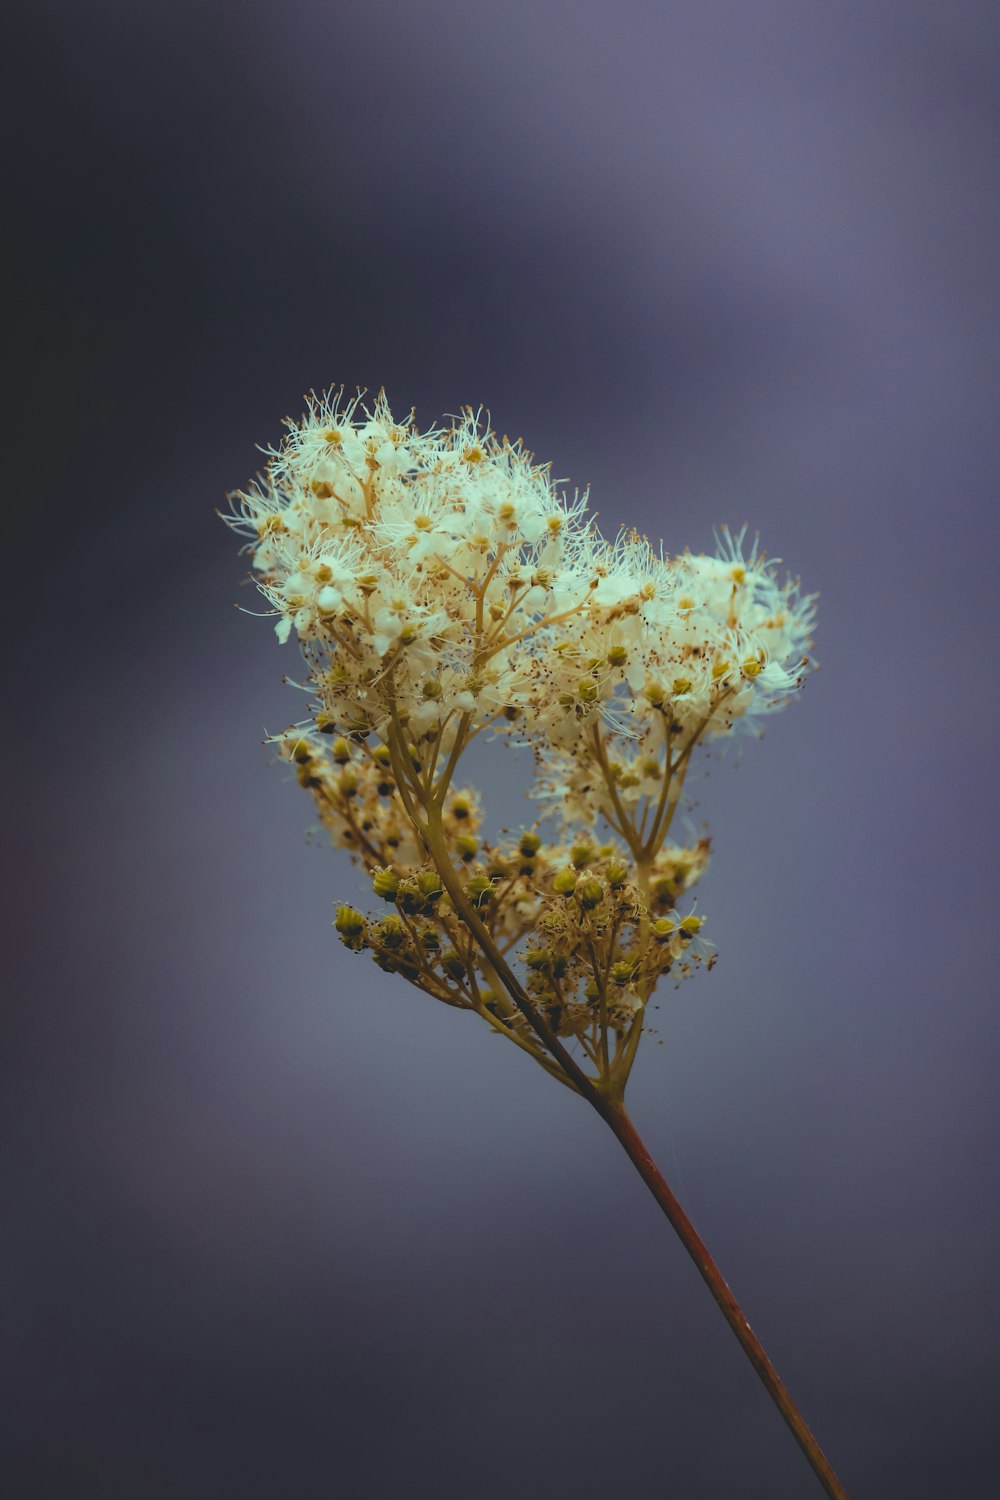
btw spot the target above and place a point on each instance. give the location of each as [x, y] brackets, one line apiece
[452, 964]
[391, 932]
[590, 893]
[466, 846]
[479, 890]
[385, 883]
[461, 805]
[351, 926]
[429, 885]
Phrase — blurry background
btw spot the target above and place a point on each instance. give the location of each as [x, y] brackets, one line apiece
[271, 1216]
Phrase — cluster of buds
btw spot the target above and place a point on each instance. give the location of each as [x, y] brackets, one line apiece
[441, 587]
[591, 941]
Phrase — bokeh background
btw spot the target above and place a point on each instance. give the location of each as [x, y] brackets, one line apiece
[272, 1221]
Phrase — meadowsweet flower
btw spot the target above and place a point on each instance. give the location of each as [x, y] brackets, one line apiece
[440, 585]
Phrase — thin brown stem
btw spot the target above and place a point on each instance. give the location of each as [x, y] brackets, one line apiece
[616, 1117]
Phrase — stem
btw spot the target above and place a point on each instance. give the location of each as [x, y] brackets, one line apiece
[433, 835]
[614, 1114]
[625, 823]
[605, 1094]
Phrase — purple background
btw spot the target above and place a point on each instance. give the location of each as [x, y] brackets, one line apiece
[271, 1216]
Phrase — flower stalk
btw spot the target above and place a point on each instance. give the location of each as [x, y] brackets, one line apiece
[619, 1121]
[606, 1096]
[440, 588]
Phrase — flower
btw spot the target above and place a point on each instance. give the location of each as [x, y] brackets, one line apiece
[441, 584]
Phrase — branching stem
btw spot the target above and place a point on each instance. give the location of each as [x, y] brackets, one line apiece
[605, 1093]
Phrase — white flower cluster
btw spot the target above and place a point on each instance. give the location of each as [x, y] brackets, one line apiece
[437, 575]
[440, 584]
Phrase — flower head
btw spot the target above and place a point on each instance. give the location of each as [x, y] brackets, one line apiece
[440, 584]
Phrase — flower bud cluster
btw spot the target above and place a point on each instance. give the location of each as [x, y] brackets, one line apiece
[591, 944]
[355, 796]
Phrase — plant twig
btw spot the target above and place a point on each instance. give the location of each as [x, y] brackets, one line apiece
[615, 1115]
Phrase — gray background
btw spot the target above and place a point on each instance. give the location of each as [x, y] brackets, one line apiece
[270, 1216]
